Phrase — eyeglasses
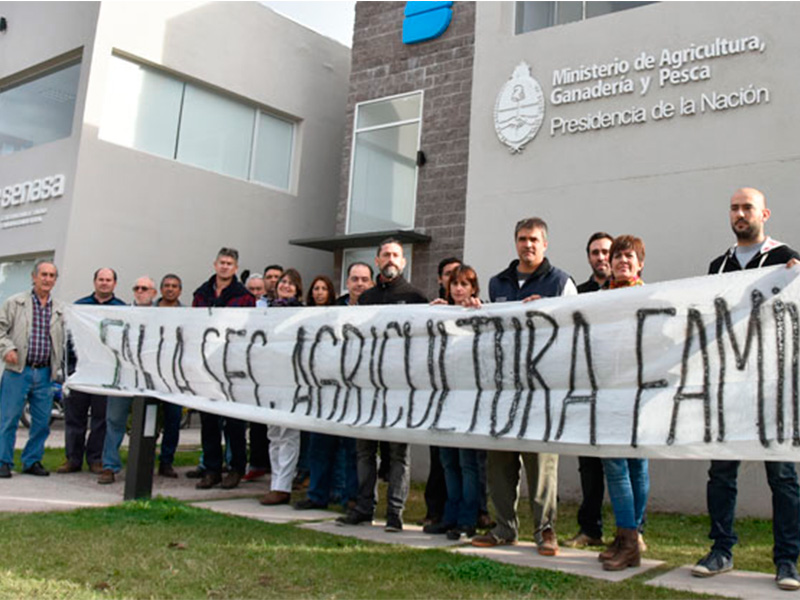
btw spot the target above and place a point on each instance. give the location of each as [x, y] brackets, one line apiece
[141, 288]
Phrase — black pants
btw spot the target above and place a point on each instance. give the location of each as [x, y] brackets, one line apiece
[435, 487]
[590, 514]
[76, 412]
[211, 438]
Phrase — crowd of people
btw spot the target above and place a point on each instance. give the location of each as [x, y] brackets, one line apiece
[346, 470]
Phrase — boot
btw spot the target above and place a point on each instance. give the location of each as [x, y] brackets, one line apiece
[628, 554]
[612, 549]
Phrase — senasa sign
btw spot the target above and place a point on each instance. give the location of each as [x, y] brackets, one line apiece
[35, 190]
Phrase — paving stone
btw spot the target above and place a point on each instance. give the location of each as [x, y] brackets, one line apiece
[734, 584]
[569, 560]
[411, 535]
[250, 508]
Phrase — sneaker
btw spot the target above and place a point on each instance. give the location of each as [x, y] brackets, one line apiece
[68, 467]
[354, 518]
[253, 474]
[712, 564]
[787, 577]
[165, 470]
[581, 540]
[393, 524]
[309, 504]
[490, 540]
[208, 481]
[106, 477]
[438, 528]
[549, 544]
[5, 471]
[36, 469]
[231, 480]
[456, 533]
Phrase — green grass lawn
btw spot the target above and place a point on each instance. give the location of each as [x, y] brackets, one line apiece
[167, 549]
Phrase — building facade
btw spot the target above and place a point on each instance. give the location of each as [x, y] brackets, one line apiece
[145, 136]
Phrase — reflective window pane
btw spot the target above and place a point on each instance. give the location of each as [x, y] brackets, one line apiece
[531, 16]
[38, 111]
[142, 108]
[384, 179]
[568, 12]
[273, 160]
[389, 111]
[216, 133]
[15, 276]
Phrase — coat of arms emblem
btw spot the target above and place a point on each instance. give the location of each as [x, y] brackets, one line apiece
[519, 110]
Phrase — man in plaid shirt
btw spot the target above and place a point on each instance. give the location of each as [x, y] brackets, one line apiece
[32, 347]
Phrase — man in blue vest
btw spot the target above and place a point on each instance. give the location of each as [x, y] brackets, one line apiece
[529, 277]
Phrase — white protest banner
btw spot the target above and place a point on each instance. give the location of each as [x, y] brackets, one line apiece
[695, 368]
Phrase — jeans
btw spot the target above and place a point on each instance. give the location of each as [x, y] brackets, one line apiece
[721, 498]
[399, 478]
[590, 513]
[628, 482]
[211, 438]
[32, 386]
[323, 453]
[76, 410]
[483, 496]
[171, 432]
[504, 479]
[117, 413]
[461, 474]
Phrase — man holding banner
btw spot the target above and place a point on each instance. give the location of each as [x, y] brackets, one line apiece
[753, 249]
[529, 277]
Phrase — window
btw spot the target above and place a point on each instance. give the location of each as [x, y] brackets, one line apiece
[540, 15]
[15, 275]
[39, 110]
[157, 113]
[383, 179]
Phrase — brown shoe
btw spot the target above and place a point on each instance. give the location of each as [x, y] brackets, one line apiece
[274, 498]
[209, 480]
[581, 540]
[612, 548]
[96, 468]
[106, 477]
[549, 544]
[167, 471]
[628, 554]
[68, 467]
[485, 522]
[490, 540]
[231, 480]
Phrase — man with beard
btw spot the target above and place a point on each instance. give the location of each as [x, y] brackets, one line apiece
[597, 250]
[753, 249]
[390, 288]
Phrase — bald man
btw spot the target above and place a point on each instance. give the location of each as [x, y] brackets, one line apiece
[753, 249]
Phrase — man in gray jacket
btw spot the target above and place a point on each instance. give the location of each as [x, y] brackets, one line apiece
[32, 348]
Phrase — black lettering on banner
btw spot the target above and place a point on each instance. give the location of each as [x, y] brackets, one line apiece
[412, 389]
[148, 378]
[512, 410]
[694, 322]
[431, 377]
[206, 333]
[312, 360]
[641, 385]
[532, 372]
[778, 311]
[231, 375]
[753, 329]
[347, 378]
[581, 325]
[372, 370]
[299, 372]
[127, 353]
[791, 308]
[475, 322]
[177, 364]
[263, 337]
[104, 325]
[443, 374]
[499, 331]
[158, 357]
[385, 409]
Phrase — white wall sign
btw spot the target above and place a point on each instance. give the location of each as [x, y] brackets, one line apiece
[35, 190]
[695, 368]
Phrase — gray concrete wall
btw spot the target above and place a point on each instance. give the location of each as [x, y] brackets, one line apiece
[668, 181]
